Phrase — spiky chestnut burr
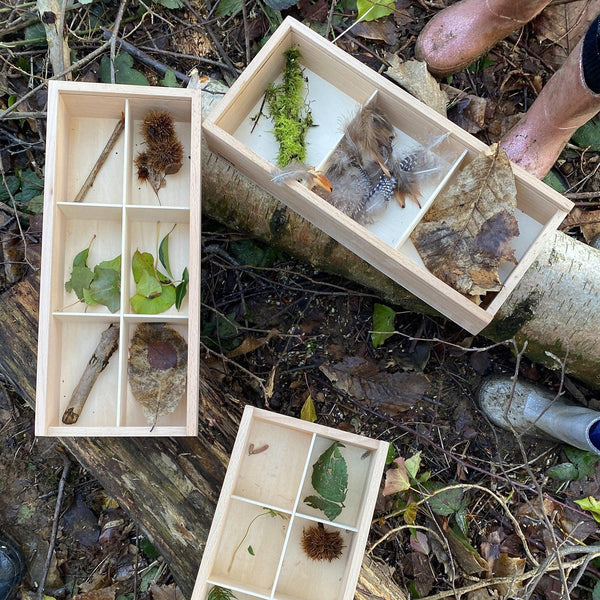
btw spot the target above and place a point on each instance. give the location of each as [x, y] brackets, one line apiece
[157, 126]
[320, 544]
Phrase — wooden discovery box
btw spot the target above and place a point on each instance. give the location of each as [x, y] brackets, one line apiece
[254, 548]
[337, 86]
[118, 216]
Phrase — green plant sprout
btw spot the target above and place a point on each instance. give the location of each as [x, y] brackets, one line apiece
[266, 511]
[289, 111]
[330, 480]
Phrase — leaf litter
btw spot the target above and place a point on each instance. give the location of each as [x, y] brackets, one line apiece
[468, 230]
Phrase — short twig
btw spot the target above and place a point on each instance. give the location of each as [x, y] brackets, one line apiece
[89, 182]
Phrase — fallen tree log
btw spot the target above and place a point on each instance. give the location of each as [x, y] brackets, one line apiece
[169, 486]
[553, 308]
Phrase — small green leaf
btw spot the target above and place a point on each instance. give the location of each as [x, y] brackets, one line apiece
[148, 286]
[590, 503]
[588, 135]
[169, 80]
[124, 73]
[106, 288]
[81, 277]
[148, 549]
[142, 262]
[181, 289]
[563, 472]
[227, 8]
[13, 185]
[554, 182]
[448, 502]
[308, 412]
[596, 591]
[163, 255]
[330, 474]
[251, 551]
[412, 465]
[153, 306]
[114, 264]
[148, 578]
[369, 11]
[583, 460]
[389, 459]
[383, 324]
[331, 509]
[36, 34]
[171, 4]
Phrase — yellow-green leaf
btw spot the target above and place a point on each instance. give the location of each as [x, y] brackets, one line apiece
[590, 503]
[308, 412]
[369, 11]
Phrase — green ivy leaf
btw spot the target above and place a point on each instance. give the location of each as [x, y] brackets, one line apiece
[331, 509]
[142, 262]
[181, 289]
[383, 324]
[148, 286]
[106, 287]
[153, 306]
[36, 34]
[330, 474]
[124, 73]
[308, 412]
[369, 11]
[554, 182]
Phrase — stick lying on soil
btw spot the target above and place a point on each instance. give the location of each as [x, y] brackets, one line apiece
[109, 341]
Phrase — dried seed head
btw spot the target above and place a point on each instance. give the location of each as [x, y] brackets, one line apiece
[165, 156]
[157, 126]
[320, 544]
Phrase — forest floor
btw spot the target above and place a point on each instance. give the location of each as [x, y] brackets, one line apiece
[511, 502]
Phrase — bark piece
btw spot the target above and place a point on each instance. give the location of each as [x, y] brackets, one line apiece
[109, 341]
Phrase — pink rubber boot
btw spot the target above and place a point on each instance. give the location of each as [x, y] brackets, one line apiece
[461, 33]
[565, 103]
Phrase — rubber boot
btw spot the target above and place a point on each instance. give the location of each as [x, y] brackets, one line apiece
[531, 410]
[461, 33]
[12, 568]
[565, 103]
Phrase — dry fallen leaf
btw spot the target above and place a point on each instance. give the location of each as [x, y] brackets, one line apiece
[157, 368]
[468, 111]
[468, 230]
[362, 379]
[414, 77]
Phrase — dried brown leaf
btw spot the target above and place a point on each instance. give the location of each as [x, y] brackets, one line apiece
[468, 230]
[251, 343]
[507, 566]
[381, 29]
[468, 111]
[107, 593]
[364, 381]
[157, 368]
[423, 573]
[414, 77]
[166, 592]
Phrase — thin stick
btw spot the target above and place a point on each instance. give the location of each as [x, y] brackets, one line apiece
[89, 182]
[109, 341]
[59, 499]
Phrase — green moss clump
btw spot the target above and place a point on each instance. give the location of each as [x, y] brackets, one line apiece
[288, 110]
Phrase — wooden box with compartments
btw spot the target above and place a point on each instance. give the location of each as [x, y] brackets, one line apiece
[337, 88]
[120, 279]
[294, 512]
